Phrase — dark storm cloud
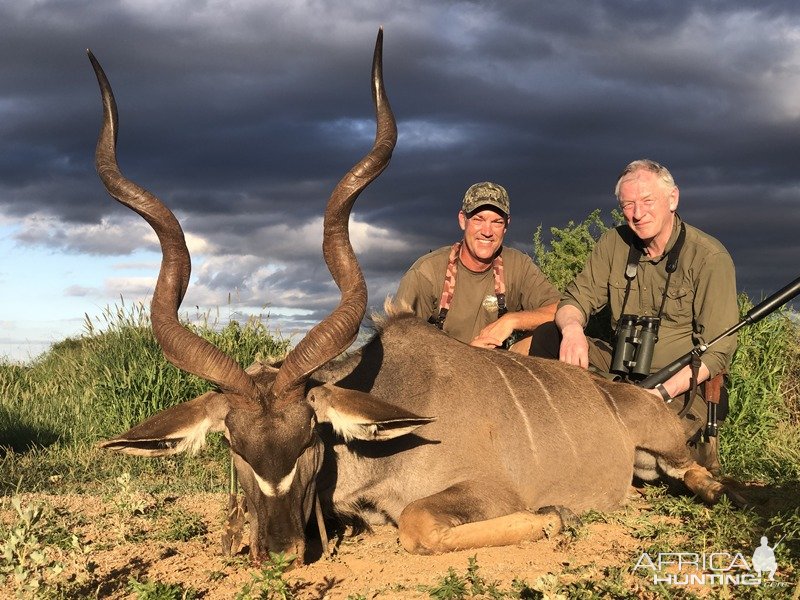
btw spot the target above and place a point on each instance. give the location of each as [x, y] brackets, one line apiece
[243, 119]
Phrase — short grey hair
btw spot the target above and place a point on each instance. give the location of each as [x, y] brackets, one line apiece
[645, 164]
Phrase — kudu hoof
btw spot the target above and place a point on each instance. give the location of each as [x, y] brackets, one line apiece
[702, 483]
[736, 498]
[569, 520]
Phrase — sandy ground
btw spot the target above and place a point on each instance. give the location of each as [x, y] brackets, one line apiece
[126, 535]
[372, 564]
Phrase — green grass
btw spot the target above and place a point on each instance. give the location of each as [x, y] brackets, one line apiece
[156, 590]
[82, 390]
[760, 439]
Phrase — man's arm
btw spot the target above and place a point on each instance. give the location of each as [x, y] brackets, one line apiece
[413, 293]
[494, 334]
[574, 345]
[682, 381]
[583, 296]
[716, 310]
[533, 294]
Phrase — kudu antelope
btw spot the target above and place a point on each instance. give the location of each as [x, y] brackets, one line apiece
[511, 434]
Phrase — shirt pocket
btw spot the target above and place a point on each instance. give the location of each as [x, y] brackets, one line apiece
[679, 305]
[616, 297]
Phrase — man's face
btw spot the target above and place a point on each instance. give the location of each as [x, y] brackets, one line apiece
[647, 204]
[484, 231]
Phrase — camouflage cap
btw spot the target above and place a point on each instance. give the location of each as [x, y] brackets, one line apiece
[484, 193]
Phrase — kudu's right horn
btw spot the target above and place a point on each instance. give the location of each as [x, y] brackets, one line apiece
[181, 347]
[333, 335]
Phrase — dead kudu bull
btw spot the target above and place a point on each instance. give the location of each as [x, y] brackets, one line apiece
[512, 434]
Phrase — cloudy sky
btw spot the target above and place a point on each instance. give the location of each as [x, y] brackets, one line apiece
[243, 114]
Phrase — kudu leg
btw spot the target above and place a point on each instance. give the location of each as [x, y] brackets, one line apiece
[665, 441]
[456, 519]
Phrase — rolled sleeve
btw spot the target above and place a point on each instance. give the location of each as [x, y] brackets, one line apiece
[537, 291]
[716, 310]
[414, 293]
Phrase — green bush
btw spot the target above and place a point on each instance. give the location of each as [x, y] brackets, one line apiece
[570, 247]
[569, 250]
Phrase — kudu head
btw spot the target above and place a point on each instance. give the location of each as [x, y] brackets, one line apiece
[268, 415]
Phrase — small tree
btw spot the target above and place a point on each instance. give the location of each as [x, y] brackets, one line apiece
[570, 247]
[569, 250]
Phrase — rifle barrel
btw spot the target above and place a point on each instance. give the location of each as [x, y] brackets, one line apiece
[776, 300]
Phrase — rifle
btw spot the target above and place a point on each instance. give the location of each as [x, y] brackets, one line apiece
[754, 315]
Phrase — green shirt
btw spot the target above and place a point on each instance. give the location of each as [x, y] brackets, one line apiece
[474, 304]
[701, 300]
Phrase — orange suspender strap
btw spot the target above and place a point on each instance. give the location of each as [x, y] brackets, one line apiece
[449, 286]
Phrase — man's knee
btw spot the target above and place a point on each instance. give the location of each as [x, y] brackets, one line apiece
[545, 341]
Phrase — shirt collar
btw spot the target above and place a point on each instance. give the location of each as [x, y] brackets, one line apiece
[673, 237]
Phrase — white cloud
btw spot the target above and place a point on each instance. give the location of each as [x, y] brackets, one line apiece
[421, 134]
[112, 235]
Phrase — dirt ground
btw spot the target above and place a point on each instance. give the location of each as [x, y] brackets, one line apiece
[127, 537]
[369, 565]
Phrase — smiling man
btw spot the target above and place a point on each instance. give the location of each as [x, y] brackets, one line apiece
[692, 302]
[476, 290]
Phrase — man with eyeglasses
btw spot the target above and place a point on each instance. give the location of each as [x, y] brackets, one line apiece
[477, 290]
[629, 270]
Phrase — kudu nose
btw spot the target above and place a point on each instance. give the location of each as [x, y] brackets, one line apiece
[292, 551]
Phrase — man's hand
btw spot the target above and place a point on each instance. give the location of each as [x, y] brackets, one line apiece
[494, 334]
[574, 346]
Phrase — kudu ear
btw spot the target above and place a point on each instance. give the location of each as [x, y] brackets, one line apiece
[357, 415]
[176, 429]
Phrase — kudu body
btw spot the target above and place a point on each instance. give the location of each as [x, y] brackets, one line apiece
[456, 445]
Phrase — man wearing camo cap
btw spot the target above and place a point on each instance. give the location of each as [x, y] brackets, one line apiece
[476, 290]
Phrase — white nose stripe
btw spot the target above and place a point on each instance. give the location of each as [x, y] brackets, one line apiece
[283, 485]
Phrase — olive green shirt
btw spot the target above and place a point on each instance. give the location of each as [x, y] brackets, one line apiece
[474, 304]
[701, 300]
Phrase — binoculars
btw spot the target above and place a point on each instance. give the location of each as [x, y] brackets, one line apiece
[634, 342]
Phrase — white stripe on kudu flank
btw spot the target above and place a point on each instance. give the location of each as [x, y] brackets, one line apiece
[613, 408]
[554, 409]
[283, 486]
[531, 441]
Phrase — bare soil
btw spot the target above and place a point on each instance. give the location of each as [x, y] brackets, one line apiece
[129, 538]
